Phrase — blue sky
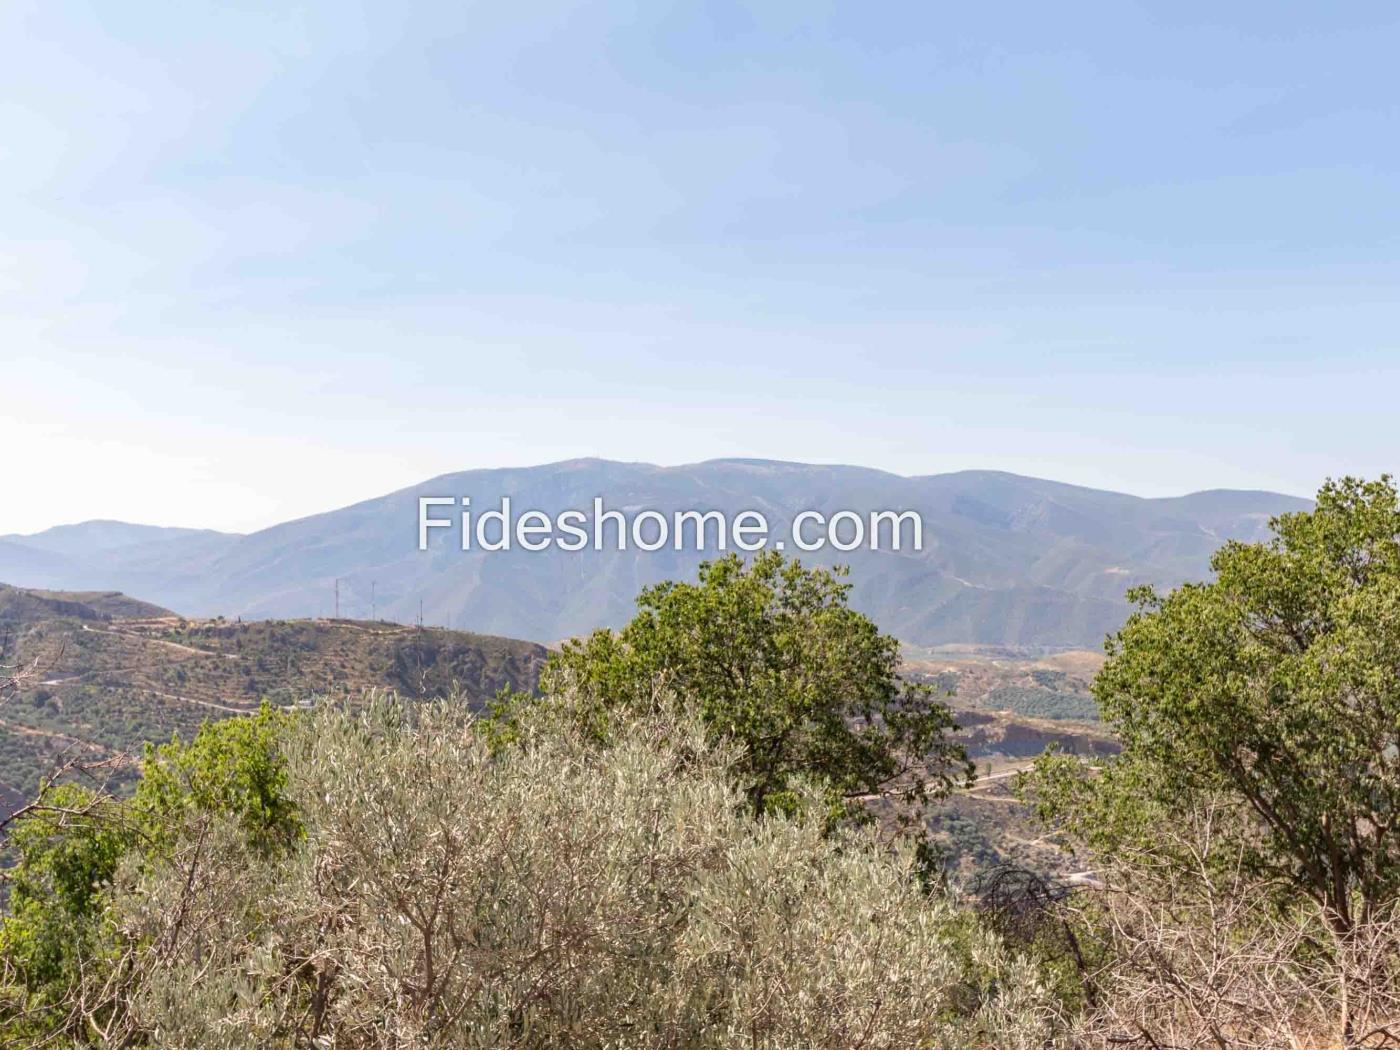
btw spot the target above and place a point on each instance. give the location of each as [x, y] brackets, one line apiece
[257, 261]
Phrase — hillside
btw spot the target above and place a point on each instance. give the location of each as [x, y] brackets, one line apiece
[20, 606]
[1007, 560]
[105, 684]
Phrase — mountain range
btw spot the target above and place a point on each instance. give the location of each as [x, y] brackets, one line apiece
[1007, 560]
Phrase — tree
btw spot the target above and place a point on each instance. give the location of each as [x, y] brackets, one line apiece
[773, 657]
[1274, 689]
[567, 892]
[66, 848]
[55, 931]
[234, 768]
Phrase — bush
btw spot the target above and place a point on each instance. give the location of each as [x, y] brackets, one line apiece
[58, 947]
[551, 892]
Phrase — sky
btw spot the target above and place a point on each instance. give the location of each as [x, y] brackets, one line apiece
[259, 260]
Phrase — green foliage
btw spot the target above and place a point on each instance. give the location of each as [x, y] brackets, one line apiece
[1042, 702]
[773, 658]
[56, 934]
[234, 768]
[1271, 694]
[66, 849]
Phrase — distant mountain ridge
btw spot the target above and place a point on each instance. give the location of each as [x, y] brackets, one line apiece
[88, 537]
[1007, 560]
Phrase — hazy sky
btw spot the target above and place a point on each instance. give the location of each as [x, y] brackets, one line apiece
[258, 262]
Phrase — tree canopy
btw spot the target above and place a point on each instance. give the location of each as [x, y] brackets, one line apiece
[774, 658]
[67, 845]
[1275, 688]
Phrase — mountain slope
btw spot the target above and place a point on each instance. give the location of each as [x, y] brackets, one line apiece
[1007, 560]
[101, 683]
[97, 553]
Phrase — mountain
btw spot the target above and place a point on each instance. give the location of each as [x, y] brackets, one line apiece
[1007, 560]
[20, 561]
[97, 537]
[96, 553]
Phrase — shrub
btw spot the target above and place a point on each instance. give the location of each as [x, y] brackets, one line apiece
[59, 952]
[552, 893]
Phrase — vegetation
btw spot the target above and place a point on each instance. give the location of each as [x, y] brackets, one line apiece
[645, 855]
[436, 890]
[1020, 684]
[774, 659]
[1276, 688]
[1042, 702]
[57, 935]
[1257, 795]
[100, 688]
[103, 692]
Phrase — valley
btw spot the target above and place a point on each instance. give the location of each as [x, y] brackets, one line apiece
[1012, 705]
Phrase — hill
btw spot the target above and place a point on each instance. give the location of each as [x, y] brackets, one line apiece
[20, 606]
[105, 684]
[1007, 560]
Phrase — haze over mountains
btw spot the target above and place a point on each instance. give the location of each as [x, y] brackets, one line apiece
[1007, 560]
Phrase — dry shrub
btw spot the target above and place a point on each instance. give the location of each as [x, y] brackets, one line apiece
[551, 893]
[1201, 955]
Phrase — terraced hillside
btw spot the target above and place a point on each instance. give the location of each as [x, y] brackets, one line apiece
[1012, 705]
[99, 685]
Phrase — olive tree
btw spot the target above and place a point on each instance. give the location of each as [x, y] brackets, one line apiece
[558, 892]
